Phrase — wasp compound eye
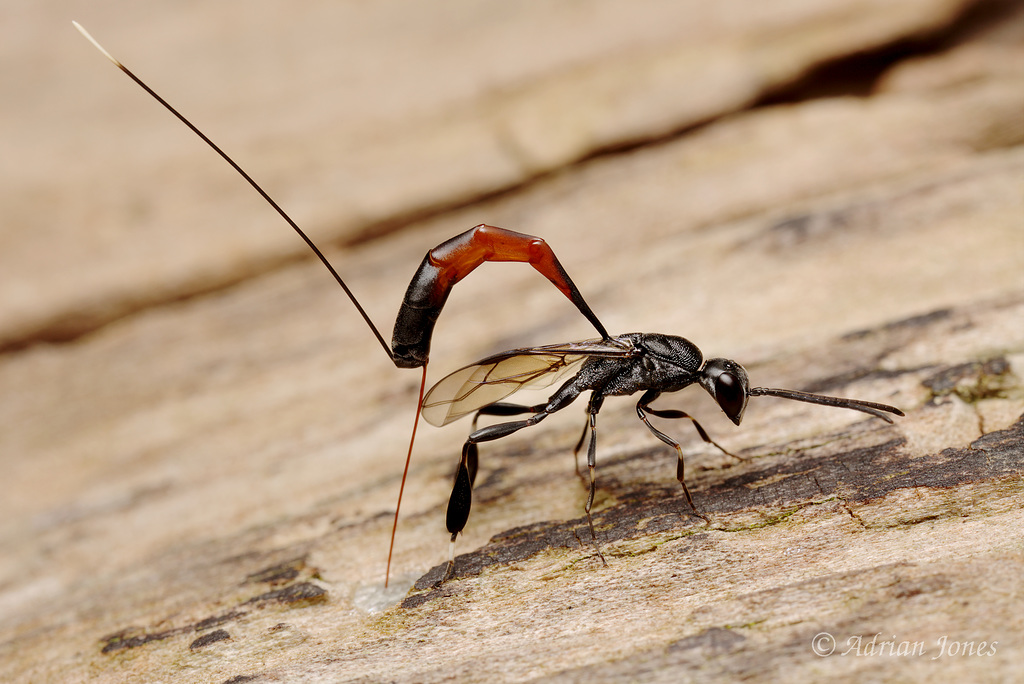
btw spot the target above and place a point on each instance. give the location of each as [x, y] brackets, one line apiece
[730, 395]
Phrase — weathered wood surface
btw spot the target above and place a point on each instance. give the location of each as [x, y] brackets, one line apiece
[202, 489]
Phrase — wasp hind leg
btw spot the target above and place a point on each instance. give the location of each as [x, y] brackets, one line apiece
[461, 500]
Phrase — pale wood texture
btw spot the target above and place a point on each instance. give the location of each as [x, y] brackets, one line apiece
[199, 487]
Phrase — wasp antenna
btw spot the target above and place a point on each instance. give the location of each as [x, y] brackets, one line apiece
[868, 407]
[249, 179]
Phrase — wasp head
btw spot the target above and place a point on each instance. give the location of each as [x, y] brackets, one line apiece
[727, 382]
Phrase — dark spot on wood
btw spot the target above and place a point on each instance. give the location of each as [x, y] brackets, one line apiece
[303, 593]
[281, 573]
[972, 381]
[122, 640]
[240, 679]
[217, 620]
[133, 638]
[210, 638]
[293, 596]
[416, 600]
[857, 74]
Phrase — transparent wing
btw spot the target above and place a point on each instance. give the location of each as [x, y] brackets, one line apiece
[496, 377]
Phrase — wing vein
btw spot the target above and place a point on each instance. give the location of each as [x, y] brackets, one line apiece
[492, 379]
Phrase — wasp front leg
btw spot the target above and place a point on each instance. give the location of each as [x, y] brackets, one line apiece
[677, 414]
[642, 407]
